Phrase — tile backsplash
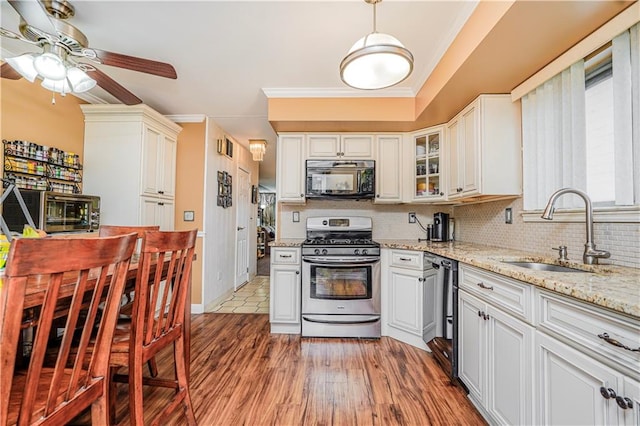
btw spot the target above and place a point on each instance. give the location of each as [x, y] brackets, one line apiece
[481, 223]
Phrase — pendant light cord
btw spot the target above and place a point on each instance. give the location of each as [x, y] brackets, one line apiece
[375, 29]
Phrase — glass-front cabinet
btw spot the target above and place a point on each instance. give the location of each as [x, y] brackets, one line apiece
[428, 181]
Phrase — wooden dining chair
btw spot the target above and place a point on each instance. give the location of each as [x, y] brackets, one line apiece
[127, 299]
[162, 285]
[48, 273]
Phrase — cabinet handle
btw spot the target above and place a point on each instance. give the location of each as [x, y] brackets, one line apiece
[301, 195]
[486, 317]
[285, 256]
[160, 192]
[614, 342]
[420, 279]
[479, 313]
[377, 195]
[624, 403]
[404, 259]
[481, 285]
[607, 393]
[161, 204]
[297, 272]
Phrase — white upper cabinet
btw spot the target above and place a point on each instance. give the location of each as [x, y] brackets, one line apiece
[130, 162]
[357, 147]
[424, 166]
[484, 155]
[290, 169]
[389, 169]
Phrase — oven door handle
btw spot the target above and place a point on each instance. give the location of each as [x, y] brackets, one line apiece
[341, 261]
[342, 319]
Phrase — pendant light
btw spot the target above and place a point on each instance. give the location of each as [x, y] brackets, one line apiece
[376, 61]
[257, 147]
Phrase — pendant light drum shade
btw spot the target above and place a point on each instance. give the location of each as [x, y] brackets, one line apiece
[376, 61]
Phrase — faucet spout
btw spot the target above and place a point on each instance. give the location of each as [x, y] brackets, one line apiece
[591, 254]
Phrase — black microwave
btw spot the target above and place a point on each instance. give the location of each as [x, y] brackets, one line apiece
[53, 211]
[349, 179]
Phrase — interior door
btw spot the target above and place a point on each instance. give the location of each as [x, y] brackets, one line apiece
[242, 228]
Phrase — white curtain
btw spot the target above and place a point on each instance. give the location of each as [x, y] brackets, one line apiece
[553, 131]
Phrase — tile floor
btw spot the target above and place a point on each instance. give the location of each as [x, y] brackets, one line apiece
[252, 298]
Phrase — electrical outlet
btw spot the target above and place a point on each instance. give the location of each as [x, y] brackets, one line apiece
[508, 215]
[412, 217]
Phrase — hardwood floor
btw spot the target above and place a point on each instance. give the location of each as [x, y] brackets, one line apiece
[243, 375]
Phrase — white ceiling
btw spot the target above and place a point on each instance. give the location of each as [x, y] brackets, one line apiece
[227, 52]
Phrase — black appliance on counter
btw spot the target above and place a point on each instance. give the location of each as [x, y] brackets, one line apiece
[440, 229]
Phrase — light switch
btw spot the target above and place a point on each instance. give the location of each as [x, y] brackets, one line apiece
[296, 216]
[188, 215]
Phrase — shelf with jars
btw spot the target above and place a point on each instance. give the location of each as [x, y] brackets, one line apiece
[33, 166]
[427, 179]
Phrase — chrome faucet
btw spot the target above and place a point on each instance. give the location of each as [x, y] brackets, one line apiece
[591, 255]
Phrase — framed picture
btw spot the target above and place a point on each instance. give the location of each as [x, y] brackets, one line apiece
[220, 176]
[229, 147]
[254, 194]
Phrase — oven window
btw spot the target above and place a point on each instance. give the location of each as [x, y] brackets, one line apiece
[341, 283]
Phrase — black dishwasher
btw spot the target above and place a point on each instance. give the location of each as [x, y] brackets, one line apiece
[445, 345]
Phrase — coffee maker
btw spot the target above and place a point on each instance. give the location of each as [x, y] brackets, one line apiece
[440, 230]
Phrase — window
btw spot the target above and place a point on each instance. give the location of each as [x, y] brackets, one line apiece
[599, 129]
[581, 130]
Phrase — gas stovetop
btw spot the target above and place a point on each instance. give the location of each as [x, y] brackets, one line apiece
[340, 236]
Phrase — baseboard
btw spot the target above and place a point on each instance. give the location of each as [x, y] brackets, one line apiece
[197, 308]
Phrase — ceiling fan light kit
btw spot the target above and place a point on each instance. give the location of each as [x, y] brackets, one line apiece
[376, 61]
[257, 147]
[60, 41]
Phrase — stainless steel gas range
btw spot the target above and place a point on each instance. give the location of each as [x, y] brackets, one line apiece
[340, 278]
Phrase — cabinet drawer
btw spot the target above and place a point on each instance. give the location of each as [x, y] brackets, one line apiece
[513, 296]
[285, 255]
[582, 324]
[408, 259]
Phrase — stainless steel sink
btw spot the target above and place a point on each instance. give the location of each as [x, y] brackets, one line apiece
[538, 266]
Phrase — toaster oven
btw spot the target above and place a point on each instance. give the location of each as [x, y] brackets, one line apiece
[53, 211]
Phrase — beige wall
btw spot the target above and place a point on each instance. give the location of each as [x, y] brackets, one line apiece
[190, 191]
[27, 114]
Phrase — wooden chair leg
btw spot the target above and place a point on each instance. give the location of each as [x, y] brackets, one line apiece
[136, 402]
[183, 379]
[153, 367]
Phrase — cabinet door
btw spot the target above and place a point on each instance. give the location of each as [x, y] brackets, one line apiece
[323, 146]
[429, 301]
[427, 166]
[472, 339]
[454, 151]
[405, 300]
[630, 416]
[284, 303]
[471, 161]
[155, 211]
[569, 386]
[358, 147]
[167, 177]
[510, 369]
[151, 160]
[389, 169]
[290, 168]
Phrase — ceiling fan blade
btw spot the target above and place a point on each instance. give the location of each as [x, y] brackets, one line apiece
[34, 14]
[7, 71]
[136, 64]
[114, 88]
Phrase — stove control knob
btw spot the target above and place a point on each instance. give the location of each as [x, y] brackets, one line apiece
[316, 251]
[364, 251]
[324, 251]
[356, 251]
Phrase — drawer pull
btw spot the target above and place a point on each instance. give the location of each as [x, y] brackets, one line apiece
[405, 259]
[607, 393]
[614, 342]
[285, 256]
[481, 285]
[624, 403]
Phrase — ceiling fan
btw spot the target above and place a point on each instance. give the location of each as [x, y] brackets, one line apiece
[43, 24]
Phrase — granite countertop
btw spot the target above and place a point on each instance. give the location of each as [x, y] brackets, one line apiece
[287, 242]
[613, 287]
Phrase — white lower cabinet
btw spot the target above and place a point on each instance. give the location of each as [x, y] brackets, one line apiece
[495, 361]
[284, 300]
[409, 293]
[156, 211]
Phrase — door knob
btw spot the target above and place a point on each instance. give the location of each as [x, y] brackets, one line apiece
[240, 228]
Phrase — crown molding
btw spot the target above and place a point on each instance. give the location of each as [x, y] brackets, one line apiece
[186, 118]
[309, 92]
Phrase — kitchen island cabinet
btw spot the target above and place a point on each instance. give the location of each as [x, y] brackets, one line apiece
[130, 162]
